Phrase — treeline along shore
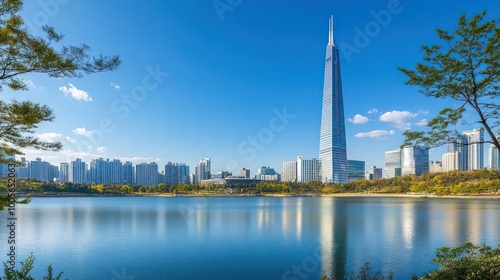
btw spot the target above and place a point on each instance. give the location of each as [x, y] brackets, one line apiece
[454, 183]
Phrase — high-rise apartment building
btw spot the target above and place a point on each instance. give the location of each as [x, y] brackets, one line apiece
[53, 173]
[128, 173]
[393, 163]
[461, 150]
[176, 173]
[63, 172]
[39, 170]
[450, 161]
[146, 174]
[332, 146]
[308, 170]
[475, 157]
[22, 171]
[202, 170]
[494, 157]
[78, 171]
[415, 160]
[289, 171]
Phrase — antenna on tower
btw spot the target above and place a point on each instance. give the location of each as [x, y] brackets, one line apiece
[330, 31]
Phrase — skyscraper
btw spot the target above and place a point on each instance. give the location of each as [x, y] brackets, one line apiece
[356, 170]
[332, 145]
[393, 163]
[202, 170]
[415, 160]
[475, 138]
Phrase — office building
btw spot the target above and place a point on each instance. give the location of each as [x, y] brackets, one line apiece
[376, 172]
[308, 170]
[435, 166]
[356, 170]
[289, 171]
[393, 163]
[245, 173]
[415, 160]
[267, 174]
[332, 146]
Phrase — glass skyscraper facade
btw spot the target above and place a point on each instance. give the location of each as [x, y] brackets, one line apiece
[356, 170]
[393, 163]
[415, 160]
[332, 146]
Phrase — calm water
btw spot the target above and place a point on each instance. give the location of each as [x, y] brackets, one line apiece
[244, 238]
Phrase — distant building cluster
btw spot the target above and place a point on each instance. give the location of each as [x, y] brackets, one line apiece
[466, 153]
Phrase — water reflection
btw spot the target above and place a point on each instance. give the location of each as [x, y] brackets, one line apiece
[166, 236]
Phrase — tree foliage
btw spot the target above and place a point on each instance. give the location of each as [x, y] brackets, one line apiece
[22, 53]
[24, 273]
[467, 261]
[465, 68]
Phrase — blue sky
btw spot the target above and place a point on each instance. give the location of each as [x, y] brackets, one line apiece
[203, 78]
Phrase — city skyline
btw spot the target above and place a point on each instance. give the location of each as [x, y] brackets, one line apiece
[192, 98]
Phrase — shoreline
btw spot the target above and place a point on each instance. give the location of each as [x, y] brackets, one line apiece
[341, 195]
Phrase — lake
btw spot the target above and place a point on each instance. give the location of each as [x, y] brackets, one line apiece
[243, 237]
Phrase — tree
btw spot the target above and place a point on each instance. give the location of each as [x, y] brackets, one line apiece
[467, 261]
[24, 272]
[466, 68]
[22, 53]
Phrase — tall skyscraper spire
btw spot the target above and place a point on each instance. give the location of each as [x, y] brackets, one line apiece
[330, 31]
[332, 146]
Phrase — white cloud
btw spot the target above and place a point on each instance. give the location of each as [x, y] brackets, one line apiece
[378, 134]
[358, 119]
[115, 85]
[83, 131]
[422, 122]
[77, 94]
[54, 137]
[400, 119]
[29, 83]
[139, 159]
[101, 150]
[83, 155]
[50, 137]
[373, 111]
